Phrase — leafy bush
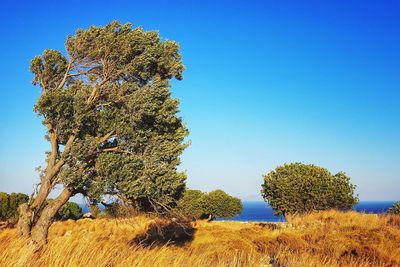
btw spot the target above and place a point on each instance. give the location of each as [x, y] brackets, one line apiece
[395, 209]
[3, 205]
[9, 204]
[69, 210]
[300, 188]
[198, 205]
[191, 203]
[118, 210]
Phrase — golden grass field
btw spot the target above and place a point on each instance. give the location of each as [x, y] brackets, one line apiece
[327, 238]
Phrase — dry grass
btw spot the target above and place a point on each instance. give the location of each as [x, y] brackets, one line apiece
[319, 239]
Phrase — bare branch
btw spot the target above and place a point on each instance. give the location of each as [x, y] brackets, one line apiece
[61, 84]
[93, 95]
[116, 150]
[78, 73]
[103, 104]
[106, 137]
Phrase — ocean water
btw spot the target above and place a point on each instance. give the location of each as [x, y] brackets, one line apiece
[261, 211]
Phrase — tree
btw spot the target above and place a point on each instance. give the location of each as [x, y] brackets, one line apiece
[15, 200]
[69, 210]
[190, 205]
[198, 205]
[111, 121]
[300, 188]
[217, 203]
[395, 209]
[4, 200]
[9, 205]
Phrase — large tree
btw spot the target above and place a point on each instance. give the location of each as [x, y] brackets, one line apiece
[111, 122]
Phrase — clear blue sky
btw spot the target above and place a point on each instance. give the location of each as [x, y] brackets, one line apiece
[267, 82]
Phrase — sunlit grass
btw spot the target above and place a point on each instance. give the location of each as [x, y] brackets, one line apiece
[328, 238]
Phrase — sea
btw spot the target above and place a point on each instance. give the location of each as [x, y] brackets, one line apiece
[261, 212]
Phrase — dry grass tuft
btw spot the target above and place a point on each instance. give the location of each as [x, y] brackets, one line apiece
[327, 238]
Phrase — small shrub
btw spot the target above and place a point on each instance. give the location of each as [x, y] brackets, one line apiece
[69, 210]
[9, 204]
[198, 205]
[395, 209]
[119, 210]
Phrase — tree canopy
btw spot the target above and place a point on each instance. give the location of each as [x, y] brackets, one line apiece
[112, 97]
[198, 205]
[300, 188]
[111, 120]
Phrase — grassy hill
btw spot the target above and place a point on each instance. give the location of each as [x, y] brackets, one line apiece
[328, 238]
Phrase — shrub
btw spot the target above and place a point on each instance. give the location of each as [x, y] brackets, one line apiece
[300, 188]
[395, 209]
[217, 203]
[9, 204]
[198, 205]
[69, 210]
[190, 204]
[3, 205]
[119, 210]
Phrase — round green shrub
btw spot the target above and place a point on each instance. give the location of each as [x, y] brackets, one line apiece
[300, 188]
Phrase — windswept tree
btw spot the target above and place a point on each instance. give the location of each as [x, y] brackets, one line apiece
[111, 121]
[300, 188]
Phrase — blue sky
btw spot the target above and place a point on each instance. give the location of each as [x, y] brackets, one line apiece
[267, 82]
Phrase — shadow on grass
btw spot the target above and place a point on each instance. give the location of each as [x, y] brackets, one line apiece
[172, 233]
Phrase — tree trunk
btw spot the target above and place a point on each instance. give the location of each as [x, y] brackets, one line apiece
[35, 217]
[40, 229]
[28, 212]
[24, 220]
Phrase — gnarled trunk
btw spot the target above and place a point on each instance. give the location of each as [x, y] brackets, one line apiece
[41, 228]
[24, 220]
[28, 212]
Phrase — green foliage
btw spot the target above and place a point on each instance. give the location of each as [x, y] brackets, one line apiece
[191, 203]
[3, 205]
[9, 204]
[111, 96]
[69, 210]
[300, 188]
[217, 203]
[395, 209]
[119, 210]
[198, 205]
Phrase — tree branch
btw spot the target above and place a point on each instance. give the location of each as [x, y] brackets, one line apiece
[103, 104]
[93, 95]
[56, 168]
[66, 74]
[116, 150]
[54, 146]
[78, 73]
